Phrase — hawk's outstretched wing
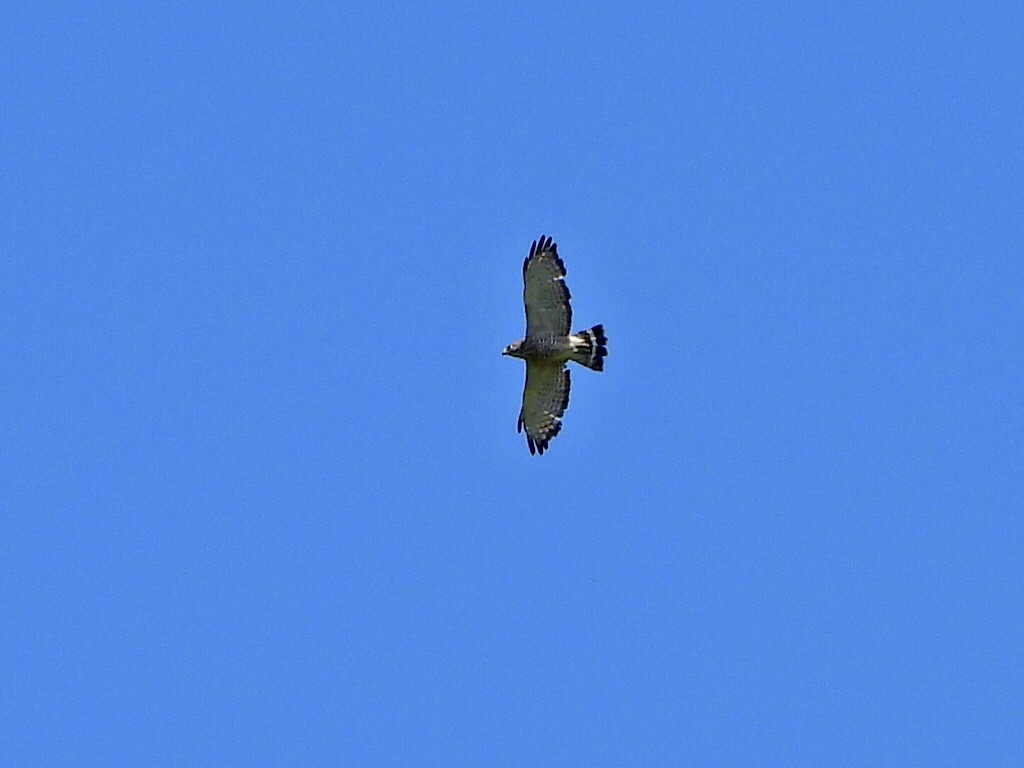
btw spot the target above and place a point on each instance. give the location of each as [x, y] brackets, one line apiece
[545, 398]
[544, 291]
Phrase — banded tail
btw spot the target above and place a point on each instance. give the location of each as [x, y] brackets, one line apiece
[589, 348]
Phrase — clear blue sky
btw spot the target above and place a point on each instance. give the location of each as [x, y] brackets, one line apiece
[263, 500]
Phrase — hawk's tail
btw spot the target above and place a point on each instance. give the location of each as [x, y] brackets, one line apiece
[588, 348]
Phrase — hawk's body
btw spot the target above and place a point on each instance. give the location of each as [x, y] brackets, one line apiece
[549, 345]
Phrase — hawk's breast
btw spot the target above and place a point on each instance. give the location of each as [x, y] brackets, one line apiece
[548, 346]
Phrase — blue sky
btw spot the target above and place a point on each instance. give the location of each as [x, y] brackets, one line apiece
[263, 500]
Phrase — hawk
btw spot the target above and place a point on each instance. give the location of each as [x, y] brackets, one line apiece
[549, 345]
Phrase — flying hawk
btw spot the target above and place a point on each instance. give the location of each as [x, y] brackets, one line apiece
[549, 345]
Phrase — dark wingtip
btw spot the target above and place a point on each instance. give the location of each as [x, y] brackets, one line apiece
[545, 243]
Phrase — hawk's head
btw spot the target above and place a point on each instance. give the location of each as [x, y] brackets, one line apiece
[512, 349]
